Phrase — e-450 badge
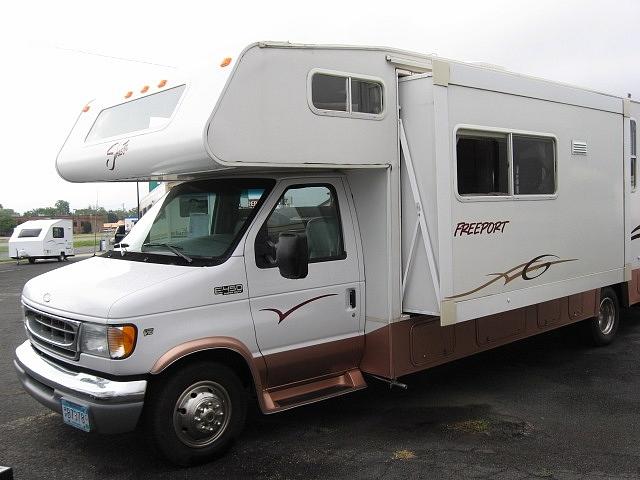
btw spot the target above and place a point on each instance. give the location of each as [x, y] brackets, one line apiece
[228, 289]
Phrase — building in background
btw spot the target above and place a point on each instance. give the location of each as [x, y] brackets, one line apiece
[81, 223]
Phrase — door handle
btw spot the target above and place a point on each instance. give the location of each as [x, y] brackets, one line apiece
[351, 294]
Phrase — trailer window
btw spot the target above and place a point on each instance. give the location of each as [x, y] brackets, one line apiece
[29, 232]
[366, 96]
[329, 92]
[483, 164]
[344, 95]
[58, 232]
[311, 210]
[533, 165]
[152, 111]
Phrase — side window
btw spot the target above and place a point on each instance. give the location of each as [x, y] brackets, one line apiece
[533, 166]
[366, 96]
[311, 210]
[483, 164]
[58, 232]
[634, 161]
[346, 95]
[329, 92]
[505, 164]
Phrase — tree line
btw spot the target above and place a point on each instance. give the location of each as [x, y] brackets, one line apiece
[61, 207]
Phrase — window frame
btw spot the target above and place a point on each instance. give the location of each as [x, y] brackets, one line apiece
[633, 156]
[53, 231]
[334, 192]
[348, 77]
[509, 132]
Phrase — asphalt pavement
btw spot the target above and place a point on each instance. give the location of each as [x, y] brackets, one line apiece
[545, 407]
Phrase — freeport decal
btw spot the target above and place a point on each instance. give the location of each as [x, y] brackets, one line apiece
[480, 228]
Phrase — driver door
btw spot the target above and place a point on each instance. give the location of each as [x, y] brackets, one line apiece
[308, 327]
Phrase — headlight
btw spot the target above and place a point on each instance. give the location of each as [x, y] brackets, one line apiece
[115, 342]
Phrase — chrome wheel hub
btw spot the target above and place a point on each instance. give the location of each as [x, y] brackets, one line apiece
[606, 316]
[202, 413]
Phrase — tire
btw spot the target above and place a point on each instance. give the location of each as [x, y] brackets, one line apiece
[185, 395]
[602, 329]
[61, 257]
[32, 261]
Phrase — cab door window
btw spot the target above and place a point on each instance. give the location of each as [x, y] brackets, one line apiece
[311, 210]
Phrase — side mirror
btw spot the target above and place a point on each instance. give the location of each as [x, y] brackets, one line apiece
[292, 255]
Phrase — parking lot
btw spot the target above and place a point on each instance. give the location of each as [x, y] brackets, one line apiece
[546, 407]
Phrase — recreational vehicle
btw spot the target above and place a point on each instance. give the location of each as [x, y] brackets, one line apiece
[344, 215]
[35, 239]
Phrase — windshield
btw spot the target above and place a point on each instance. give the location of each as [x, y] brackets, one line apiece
[197, 222]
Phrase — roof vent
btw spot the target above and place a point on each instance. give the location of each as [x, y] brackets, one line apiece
[578, 147]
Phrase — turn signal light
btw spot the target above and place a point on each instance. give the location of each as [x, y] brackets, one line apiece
[225, 62]
[121, 340]
[128, 94]
[145, 89]
[162, 83]
[86, 108]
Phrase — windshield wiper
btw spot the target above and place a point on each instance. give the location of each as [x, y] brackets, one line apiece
[172, 248]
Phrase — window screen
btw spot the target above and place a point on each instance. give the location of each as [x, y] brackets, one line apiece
[366, 96]
[533, 166]
[58, 232]
[29, 233]
[329, 92]
[483, 164]
[311, 210]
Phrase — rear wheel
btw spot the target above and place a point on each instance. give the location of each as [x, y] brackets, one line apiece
[196, 413]
[602, 329]
[61, 257]
[32, 260]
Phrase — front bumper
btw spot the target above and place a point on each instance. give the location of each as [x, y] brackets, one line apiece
[114, 407]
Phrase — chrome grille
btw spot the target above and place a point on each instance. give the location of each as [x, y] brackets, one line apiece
[55, 334]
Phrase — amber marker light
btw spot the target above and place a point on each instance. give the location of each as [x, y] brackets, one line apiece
[128, 94]
[121, 340]
[145, 89]
[225, 62]
[162, 83]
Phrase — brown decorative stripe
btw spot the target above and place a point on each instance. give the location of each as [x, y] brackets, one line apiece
[523, 271]
[282, 316]
[637, 235]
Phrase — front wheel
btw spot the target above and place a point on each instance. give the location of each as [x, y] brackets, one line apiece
[602, 329]
[196, 413]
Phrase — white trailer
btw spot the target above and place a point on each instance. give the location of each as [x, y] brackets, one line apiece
[42, 239]
[354, 211]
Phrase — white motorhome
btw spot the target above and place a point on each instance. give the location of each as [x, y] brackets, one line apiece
[344, 213]
[42, 239]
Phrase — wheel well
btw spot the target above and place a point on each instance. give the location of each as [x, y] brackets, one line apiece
[227, 357]
[622, 294]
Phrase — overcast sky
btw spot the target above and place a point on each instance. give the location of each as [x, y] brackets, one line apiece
[58, 55]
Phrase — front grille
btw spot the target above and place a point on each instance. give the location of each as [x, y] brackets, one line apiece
[55, 334]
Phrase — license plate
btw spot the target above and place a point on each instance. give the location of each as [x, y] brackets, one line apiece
[75, 415]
